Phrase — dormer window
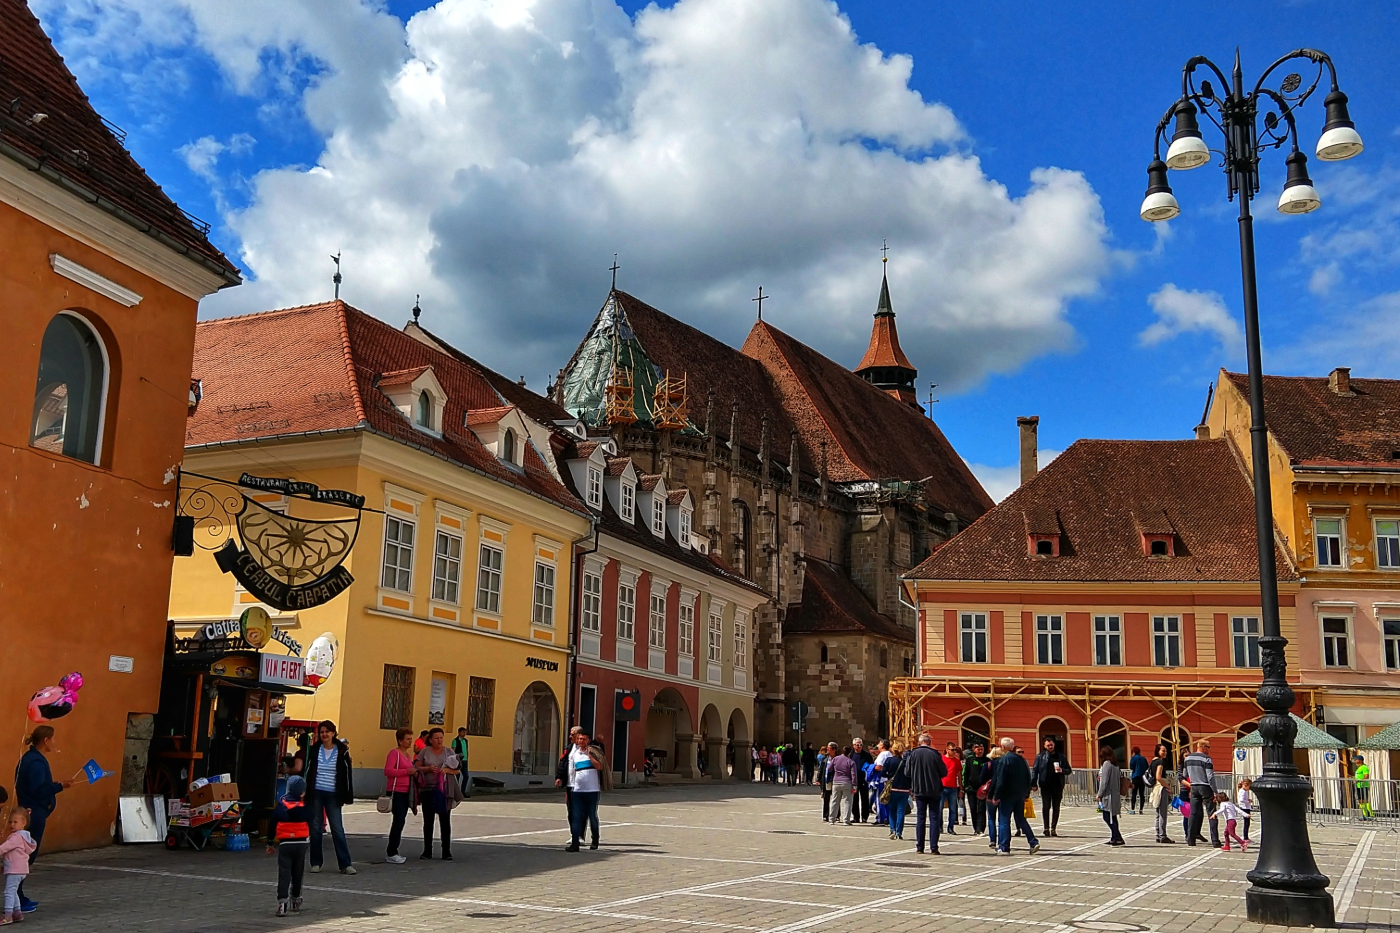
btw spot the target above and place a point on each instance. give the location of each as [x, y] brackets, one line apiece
[685, 528]
[425, 410]
[508, 446]
[595, 488]
[658, 516]
[629, 503]
[1044, 545]
[418, 395]
[1159, 545]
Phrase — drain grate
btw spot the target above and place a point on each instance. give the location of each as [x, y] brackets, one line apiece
[786, 832]
[903, 864]
[488, 915]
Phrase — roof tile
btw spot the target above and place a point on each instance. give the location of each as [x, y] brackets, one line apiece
[1318, 427]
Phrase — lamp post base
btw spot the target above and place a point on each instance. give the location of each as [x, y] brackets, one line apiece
[1289, 908]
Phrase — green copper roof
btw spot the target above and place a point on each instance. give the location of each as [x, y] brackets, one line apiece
[1387, 739]
[1309, 736]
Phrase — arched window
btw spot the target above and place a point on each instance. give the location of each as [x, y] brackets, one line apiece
[824, 652]
[425, 410]
[71, 392]
[508, 446]
[743, 538]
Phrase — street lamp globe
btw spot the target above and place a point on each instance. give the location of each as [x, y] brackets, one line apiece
[1160, 204]
[1339, 139]
[1299, 196]
[1188, 149]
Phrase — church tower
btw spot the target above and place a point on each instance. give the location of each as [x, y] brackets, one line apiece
[884, 365]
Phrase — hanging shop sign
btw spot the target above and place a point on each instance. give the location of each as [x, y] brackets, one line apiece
[287, 563]
[239, 666]
[255, 625]
[284, 670]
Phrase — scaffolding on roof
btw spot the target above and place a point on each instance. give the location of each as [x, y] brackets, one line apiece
[668, 409]
[618, 407]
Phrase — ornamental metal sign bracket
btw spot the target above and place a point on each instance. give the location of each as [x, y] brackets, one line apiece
[288, 563]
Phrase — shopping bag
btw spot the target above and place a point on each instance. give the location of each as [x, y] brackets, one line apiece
[1156, 798]
[1030, 809]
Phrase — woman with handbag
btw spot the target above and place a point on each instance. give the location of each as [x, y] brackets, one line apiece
[438, 768]
[898, 785]
[398, 775]
[589, 776]
[1110, 793]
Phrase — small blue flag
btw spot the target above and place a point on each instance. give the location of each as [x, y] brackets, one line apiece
[94, 771]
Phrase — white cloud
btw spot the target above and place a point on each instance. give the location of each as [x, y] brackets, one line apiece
[1365, 337]
[494, 154]
[1002, 481]
[1182, 312]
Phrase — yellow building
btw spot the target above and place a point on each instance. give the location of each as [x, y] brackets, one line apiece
[1334, 470]
[459, 613]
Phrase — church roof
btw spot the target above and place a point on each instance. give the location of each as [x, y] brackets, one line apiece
[832, 603]
[51, 128]
[311, 370]
[884, 349]
[869, 436]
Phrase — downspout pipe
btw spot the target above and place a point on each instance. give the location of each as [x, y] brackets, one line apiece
[575, 618]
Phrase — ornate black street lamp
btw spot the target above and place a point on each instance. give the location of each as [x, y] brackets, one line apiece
[1287, 887]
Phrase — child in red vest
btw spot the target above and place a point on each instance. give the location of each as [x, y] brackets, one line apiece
[291, 833]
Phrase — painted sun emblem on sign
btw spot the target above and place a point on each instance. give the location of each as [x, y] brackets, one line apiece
[294, 550]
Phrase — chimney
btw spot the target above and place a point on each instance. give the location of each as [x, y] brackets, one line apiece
[1340, 381]
[1202, 432]
[1029, 466]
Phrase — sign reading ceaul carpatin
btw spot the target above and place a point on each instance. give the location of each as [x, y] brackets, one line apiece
[268, 589]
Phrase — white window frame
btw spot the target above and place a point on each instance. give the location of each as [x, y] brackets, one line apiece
[542, 606]
[1166, 641]
[741, 640]
[1054, 639]
[1334, 545]
[402, 573]
[591, 611]
[970, 626]
[715, 642]
[656, 621]
[627, 607]
[658, 515]
[629, 502]
[1390, 643]
[1244, 641]
[685, 626]
[685, 527]
[1387, 546]
[447, 569]
[488, 598]
[1108, 641]
[1332, 641]
[595, 487]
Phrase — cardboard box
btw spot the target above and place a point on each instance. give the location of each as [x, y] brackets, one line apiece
[210, 793]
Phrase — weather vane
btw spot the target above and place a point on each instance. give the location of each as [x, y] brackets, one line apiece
[336, 278]
[416, 309]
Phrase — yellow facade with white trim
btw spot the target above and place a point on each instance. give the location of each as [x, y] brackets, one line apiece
[391, 623]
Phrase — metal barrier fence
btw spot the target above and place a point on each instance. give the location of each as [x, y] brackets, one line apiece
[1341, 801]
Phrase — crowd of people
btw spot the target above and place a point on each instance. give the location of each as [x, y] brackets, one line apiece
[995, 791]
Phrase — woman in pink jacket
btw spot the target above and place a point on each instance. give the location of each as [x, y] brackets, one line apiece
[398, 771]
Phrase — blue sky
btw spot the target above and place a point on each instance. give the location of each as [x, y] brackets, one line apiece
[493, 155]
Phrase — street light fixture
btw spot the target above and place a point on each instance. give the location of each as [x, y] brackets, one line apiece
[1287, 887]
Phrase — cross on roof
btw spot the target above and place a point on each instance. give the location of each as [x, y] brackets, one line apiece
[884, 251]
[614, 267]
[760, 299]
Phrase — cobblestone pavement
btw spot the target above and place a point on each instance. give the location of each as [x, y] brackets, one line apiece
[702, 858]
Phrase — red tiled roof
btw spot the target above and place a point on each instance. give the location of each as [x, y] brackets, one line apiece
[832, 603]
[869, 435]
[677, 497]
[75, 149]
[313, 369]
[487, 415]
[1094, 490]
[884, 349]
[535, 406]
[1317, 427]
[616, 465]
[401, 378]
[648, 481]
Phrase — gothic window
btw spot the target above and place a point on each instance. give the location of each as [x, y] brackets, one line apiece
[824, 652]
[71, 391]
[743, 534]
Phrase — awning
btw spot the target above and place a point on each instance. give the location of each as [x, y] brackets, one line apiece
[1309, 737]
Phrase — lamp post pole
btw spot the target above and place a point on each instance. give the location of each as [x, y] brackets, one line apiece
[1286, 886]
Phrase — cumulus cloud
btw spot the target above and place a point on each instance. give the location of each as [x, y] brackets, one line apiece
[1002, 481]
[1182, 312]
[202, 155]
[494, 154]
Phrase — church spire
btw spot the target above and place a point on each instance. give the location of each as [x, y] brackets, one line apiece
[884, 365]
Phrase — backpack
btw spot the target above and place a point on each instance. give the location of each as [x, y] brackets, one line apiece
[1125, 785]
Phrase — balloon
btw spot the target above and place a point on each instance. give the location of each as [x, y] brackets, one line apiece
[320, 659]
[56, 702]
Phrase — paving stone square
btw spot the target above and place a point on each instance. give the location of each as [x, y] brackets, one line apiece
[751, 858]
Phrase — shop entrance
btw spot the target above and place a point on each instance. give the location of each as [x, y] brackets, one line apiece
[1115, 735]
[536, 744]
[975, 729]
[1058, 732]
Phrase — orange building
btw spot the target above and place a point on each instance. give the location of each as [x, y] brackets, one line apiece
[1334, 467]
[101, 278]
[1112, 599]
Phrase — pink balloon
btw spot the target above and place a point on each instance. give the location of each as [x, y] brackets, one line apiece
[56, 702]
